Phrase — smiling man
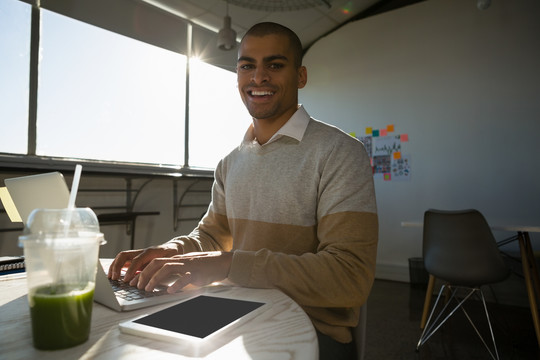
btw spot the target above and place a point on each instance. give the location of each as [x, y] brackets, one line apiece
[293, 207]
[269, 76]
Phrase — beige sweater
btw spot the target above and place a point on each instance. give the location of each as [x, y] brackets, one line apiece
[300, 216]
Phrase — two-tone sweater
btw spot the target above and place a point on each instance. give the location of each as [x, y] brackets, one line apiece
[299, 212]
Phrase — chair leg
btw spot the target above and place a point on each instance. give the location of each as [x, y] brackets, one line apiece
[496, 356]
[530, 273]
[427, 301]
[432, 326]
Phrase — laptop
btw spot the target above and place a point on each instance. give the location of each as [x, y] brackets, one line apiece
[47, 190]
[119, 296]
[50, 191]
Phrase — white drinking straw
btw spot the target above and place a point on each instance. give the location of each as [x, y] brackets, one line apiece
[73, 196]
[71, 207]
[75, 186]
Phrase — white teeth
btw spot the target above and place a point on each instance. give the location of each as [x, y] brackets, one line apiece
[261, 93]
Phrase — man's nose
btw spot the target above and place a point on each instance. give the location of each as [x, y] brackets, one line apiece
[260, 75]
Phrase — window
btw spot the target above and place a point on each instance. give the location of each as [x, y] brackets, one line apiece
[108, 97]
[218, 119]
[15, 18]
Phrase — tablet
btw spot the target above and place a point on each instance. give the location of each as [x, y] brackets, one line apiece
[196, 322]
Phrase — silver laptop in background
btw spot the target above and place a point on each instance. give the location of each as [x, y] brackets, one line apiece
[31, 192]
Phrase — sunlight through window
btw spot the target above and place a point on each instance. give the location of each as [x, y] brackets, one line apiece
[14, 75]
[108, 97]
[218, 118]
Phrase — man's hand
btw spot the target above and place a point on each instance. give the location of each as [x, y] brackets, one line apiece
[199, 269]
[138, 259]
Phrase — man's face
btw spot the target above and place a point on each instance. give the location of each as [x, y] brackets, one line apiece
[268, 79]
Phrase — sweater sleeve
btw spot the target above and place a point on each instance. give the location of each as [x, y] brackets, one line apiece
[212, 233]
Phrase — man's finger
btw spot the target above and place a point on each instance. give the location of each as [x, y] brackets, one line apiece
[135, 280]
[120, 261]
[179, 284]
[159, 272]
[137, 264]
[146, 256]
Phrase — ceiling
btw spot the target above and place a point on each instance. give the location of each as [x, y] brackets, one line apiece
[310, 24]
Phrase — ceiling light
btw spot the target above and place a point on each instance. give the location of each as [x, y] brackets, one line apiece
[226, 36]
[483, 4]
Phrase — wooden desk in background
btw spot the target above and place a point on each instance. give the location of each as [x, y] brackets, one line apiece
[282, 332]
[530, 271]
[528, 261]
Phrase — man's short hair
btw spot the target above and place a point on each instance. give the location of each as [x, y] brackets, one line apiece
[270, 28]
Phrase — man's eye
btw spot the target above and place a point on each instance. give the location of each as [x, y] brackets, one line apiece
[245, 67]
[275, 66]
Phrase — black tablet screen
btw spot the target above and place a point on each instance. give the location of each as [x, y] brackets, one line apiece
[200, 316]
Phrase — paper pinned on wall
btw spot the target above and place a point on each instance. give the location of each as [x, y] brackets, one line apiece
[401, 168]
[382, 164]
[386, 145]
[9, 205]
[383, 147]
[367, 141]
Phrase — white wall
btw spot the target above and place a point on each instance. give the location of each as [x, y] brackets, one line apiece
[465, 85]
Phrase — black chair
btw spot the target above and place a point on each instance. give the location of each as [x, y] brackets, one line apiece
[459, 248]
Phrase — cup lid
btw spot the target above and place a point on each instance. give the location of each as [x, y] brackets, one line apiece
[61, 223]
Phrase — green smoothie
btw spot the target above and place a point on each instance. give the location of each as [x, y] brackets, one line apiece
[61, 316]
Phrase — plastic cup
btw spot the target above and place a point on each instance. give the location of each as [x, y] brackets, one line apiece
[61, 249]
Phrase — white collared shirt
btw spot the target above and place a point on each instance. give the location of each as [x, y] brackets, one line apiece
[295, 128]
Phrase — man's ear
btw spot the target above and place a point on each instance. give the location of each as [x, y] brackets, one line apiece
[302, 77]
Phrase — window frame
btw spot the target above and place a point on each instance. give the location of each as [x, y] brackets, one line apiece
[119, 21]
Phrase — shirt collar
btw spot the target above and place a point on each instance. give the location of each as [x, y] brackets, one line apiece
[295, 128]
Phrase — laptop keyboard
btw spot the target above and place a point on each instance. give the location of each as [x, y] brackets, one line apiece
[130, 293]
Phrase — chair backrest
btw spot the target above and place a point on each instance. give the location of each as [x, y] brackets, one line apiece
[459, 247]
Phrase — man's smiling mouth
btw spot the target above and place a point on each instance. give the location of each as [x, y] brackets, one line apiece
[260, 93]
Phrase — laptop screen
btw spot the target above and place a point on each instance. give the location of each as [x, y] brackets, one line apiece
[47, 190]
